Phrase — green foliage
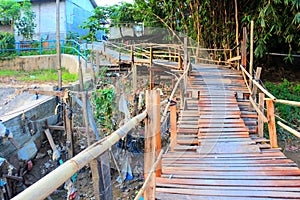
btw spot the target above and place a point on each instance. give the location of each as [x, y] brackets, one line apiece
[39, 75]
[288, 91]
[19, 15]
[7, 41]
[104, 103]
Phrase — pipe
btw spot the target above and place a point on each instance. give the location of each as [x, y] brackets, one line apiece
[45, 186]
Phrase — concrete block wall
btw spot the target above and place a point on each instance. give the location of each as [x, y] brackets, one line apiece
[28, 63]
[20, 129]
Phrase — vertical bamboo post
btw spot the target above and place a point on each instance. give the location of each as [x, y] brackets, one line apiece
[97, 60]
[238, 54]
[170, 54]
[132, 55]
[156, 126]
[150, 146]
[251, 50]
[68, 124]
[260, 120]
[179, 60]
[257, 77]
[244, 49]
[254, 89]
[151, 70]
[134, 77]
[173, 125]
[271, 123]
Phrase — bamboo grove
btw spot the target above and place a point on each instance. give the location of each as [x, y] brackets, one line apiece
[216, 24]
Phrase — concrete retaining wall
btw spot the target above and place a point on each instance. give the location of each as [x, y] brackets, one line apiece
[21, 123]
[29, 63]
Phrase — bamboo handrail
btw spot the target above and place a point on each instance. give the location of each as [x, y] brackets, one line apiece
[153, 169]
[257, 84]
[45, 186]
[289, 129]
[173, 92]
[286, 102]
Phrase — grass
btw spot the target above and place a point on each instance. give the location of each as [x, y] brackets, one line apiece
[39, 75]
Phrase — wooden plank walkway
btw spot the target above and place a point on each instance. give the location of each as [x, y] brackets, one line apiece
[215, 156]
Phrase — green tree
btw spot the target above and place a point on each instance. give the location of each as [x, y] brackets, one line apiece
[18, 15]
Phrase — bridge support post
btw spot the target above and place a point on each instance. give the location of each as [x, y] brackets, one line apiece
[152, 140]
[271, 123]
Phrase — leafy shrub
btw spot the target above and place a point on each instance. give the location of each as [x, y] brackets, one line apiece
[287, 91]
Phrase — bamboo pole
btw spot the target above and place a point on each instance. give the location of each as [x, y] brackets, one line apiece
[254, 87]
[271, 123]
[244, 48]
[251, 49]
[287, 102]
[68, 124]
[48, 184]
[173, 126]
[58, 54]
[156, 126]
[257, 84]
[151, 71]
[150, 146]
[260, 120]
[149, 177]
[289, 129]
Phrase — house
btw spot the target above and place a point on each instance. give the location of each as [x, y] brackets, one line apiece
[72, 14]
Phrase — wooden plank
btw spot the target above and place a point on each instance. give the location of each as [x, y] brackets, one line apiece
[253, 189]
[223, 125]
[235, 173]
[223, 130]
[249, 183]
[226, 162]
[231, 193]
[168, 196]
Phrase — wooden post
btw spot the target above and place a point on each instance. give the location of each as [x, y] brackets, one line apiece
[156, 124]
[68, 123]
[238, 54]
[58, 55]
[257, 77]
[97, 61]
[151, 71]
[151, 128]
[185, 50]
[271, 123]
[244, 49]
[260, 120]
[251, 50]
[173, 125]
[93, 68]
[254, 87]
[179, 60]
[132, 55]
[134, 77]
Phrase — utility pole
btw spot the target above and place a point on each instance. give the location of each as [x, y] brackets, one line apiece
[58, 56]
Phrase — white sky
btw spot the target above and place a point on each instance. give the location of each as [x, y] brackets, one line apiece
[110, 2]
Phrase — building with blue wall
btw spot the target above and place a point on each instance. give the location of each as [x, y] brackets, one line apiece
[72, 15]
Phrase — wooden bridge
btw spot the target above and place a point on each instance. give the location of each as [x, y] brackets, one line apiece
[217, 147]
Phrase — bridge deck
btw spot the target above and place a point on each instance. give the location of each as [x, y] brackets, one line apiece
[215, 156]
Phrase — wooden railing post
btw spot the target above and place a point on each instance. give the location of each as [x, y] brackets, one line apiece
[132, 55]
[151, 71]
[260, 120]
[68, 123]
[179, 60]
[173, 125]
[271, 123]
[254, 87]
[244, 49]
[152, 140]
